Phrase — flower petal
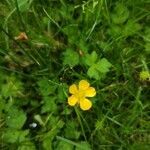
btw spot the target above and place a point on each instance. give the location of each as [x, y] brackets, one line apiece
[73, 89]
[72, 100]
[85, 104]
[90, 92]
[83, 85]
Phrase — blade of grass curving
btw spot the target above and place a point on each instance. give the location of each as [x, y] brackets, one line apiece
[51, 18]
[15, 71]
[70, 142]
[20, 17]
[98, 10]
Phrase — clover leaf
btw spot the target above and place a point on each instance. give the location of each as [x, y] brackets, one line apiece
[97, 67]
[91, 59]
[121, 14]
[131, 28]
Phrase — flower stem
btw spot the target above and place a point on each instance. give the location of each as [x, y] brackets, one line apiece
[79, 119]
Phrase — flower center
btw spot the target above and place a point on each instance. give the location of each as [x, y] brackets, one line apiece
[80, 95]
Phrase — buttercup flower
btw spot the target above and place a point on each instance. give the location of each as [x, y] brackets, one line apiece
[79, 94]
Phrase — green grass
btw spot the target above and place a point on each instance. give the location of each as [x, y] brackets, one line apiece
[106, 42]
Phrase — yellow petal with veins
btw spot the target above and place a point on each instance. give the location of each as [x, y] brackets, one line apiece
[83, 85]
[73, 89]
[85, 104]
[90, 92]
[72, 100]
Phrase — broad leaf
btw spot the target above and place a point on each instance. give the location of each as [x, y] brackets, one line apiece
[91, 58]
[121, 14]
[14, 136]
[71, 131]
[46, 87]
[99, 69]
[103, 65]
[64, 146]
[49, 104]
[84, 146]
[93, 73]
[15, 118]
[131, 28]
[71, 58]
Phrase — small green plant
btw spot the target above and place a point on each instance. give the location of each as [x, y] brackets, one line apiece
[97, 67]
[48, 46]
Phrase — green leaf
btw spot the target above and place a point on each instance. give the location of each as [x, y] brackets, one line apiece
[51, 134]
[93, 73]
[91, 59]
[71, 130]
[45, 87]
[13, 135]
[84, 145]
[115, 30]
[49, 104]
[22, 4]
[12, 87]
[64, 146]
[61, 95]
[15, 118]
[131, 28]
[121, 14]
[27, 146]
[71, 58]
[83, 46]
[103, 65]
[66, 111]
[99, 69]
[47, 143]
[72, 32]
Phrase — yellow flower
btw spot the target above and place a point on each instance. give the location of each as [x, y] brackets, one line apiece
[80, 93]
